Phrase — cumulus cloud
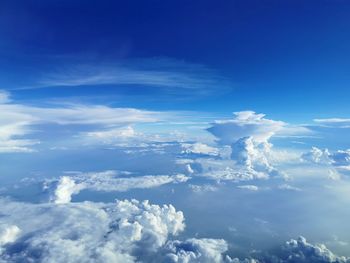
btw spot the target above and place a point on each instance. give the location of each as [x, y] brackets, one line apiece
[108, 181]
[338, 160]
[301, 251]
[65, 189]
[8, 234]
[245, 124]
[199, 149]
[197, 250]
[87, 232]
[254, 157]
[248, 133]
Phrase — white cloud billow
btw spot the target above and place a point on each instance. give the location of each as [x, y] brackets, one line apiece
[199, 149]
[197, 250]
[301, 251]
[88, 232]
[337, 161]
[248, 134]
[245, 124]
[108, 181]
[8, 234]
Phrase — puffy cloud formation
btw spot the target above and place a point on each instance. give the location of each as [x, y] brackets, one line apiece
[126, 231]
[301, 251]
[339, 160]
[199, 149]
[197, 250]
[65, 189]
[248, 134]
[251, 155]
[108, 181]
[245, 124]
[8, 234]
[317, 155]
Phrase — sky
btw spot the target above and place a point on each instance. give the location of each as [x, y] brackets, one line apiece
[174, 131]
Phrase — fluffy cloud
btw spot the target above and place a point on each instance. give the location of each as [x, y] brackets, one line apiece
[199, 149]
[301, 251]
[338, 160]
[245, 124]
[8, 234]
[254, 157]
[197, 250]
[122, 232]
[248, 134]
[108, 181]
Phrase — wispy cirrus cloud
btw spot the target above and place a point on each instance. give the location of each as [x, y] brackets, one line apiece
[165, 75]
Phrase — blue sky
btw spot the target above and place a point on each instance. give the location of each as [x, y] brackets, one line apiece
[263, 56]
[174, 131]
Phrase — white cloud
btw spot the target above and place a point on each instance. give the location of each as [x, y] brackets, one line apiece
[248, 134]
[65, 189]
[245, 124]
[337, 161]
[17, 121]
[199, 149]
[288, 187]
[202, 188]
[334, 122]
[317, 155]
[301, 251]
[233, 174]
[248, 187]
[88, 232]
[8, 234]
[4, 96]
[197, 250]
[157, 73]
[108, 181]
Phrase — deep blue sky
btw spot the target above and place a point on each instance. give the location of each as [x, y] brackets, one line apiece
[284, 58]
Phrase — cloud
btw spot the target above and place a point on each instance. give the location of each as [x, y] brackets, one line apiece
[196, 250]
[317, 155]
[301, 251]
[339, 160]
[4, 96]
[8, 234]
[248, 133]
[65, 189]
[233, 174]
[112, 135]
[248, 187]
[202, 188]
[18, 120]
[334, 122]
[108, 181]
[245, 124]
[158, 73]
[88, 232]
[199, 149]
[288, 187]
